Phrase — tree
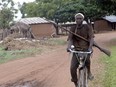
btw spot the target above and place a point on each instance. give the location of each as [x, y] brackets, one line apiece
[42, 8]
[5, 17]
[6, 13]
[107, 5]
[29, 9]
[64, 10]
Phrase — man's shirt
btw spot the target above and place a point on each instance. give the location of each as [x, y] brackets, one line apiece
[85, 31]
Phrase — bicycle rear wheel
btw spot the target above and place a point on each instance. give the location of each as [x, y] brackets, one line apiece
[83, 80]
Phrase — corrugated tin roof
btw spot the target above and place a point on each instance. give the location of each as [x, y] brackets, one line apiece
[111, 18]
[33, 20]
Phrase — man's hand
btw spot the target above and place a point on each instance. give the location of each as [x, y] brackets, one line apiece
[68, 49]
[90, 49]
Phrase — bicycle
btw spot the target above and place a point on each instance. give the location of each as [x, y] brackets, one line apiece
[82, 72]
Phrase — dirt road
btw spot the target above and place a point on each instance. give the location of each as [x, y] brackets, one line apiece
[48, 70]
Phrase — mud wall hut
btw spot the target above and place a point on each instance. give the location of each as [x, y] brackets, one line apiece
[107, 23]
[40, 27]
[101, 25]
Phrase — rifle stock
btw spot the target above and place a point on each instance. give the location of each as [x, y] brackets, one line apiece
[107, 52]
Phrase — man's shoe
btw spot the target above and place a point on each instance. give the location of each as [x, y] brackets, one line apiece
[90, 76]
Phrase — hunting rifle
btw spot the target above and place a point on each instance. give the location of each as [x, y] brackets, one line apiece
[107, 52]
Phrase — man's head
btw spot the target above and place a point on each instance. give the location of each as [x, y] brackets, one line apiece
[79, 17]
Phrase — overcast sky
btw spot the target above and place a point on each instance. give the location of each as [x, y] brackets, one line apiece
[21, 2]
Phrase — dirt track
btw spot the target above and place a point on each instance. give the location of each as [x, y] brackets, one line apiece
[47, 70]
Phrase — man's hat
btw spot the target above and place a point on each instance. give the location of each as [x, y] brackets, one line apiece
[79, 14]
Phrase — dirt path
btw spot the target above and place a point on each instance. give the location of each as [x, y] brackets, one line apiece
[48, 70]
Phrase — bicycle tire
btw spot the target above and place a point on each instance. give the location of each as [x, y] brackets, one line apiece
[83, 80]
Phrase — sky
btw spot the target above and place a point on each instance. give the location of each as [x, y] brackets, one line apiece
[19, 15]
[21, 1]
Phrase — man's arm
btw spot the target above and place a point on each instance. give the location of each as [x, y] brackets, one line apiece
[70, 40]
[91, 38]
[91, 44]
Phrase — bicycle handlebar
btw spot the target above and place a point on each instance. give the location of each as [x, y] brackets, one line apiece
[73, 51]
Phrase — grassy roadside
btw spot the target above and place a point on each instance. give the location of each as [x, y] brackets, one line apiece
[45, 45]
[105, 71]
[6, 56]
[110, 69]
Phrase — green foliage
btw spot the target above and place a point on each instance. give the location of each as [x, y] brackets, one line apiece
[5, 17]
[6, 13]
[29, 9]
[43, 8]
[64, 10]
[107, 5]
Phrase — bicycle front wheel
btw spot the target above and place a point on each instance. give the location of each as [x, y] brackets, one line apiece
[83, 80]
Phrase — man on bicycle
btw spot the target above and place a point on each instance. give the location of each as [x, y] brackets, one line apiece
[86, 32]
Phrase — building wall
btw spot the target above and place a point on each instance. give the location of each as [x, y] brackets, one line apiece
[102, 25]
[43, 30]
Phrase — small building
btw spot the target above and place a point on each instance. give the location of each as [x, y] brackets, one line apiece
[111, 20]
[40, 27]
[107, 23]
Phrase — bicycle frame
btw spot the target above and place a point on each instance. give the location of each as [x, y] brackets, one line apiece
[82, 77]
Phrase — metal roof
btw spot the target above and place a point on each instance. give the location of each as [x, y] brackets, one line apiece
[33, 20]
[111, 18]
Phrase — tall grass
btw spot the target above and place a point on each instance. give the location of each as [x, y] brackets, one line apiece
[110, 69]
[6, 56]
[53, 42]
